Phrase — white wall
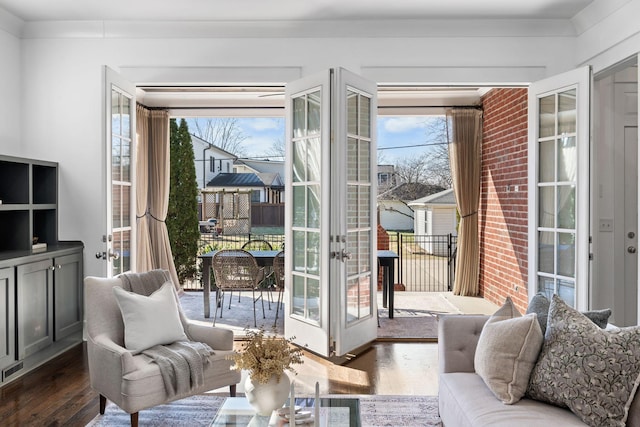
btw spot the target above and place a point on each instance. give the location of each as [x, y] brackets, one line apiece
[61, 88]
[10, 82]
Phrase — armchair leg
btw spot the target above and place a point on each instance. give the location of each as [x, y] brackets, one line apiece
[103, 404]
[134, 419]
[232, 390]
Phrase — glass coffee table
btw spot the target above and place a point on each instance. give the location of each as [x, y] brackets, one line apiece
[334, 412]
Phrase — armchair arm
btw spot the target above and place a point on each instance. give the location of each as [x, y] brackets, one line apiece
[108, 363]
[216, 338]
[457, 340]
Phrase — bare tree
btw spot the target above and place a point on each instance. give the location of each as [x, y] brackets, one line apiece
[277, 149]
[410, 170]
[223, 132]
[438, 171]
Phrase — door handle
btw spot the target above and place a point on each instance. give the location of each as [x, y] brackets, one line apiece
[115, 255]
[631, 249]
[342, 255]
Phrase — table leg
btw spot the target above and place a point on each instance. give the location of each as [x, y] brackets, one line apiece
[206, 285]
[390, 279]
[385, 285]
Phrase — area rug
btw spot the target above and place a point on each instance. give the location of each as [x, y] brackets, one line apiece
[375, 411]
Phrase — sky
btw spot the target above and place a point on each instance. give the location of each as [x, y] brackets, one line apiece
[394, 132]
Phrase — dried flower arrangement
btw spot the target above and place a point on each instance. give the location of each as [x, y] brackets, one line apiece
[264, 356]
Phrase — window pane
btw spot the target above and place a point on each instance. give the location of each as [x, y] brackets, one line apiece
[567, 112]
[353, 302]
[363, 161]
[126, 206]
[313, 253]
[116, 118]
[314, 113]
[364, 217]
[352, 159]
[365, 296]
[365, 122]
[299, 161]
[547, 162]
[567, 291]
[126, 161]
[116, 264]
[546, 246]
[313, 299]
[313, 159]
[298, 295]
[566, 206]
[364, 252]
[352, 113]
[125, 252]
[126, 117]
[116, 204]
[546, 286]
[547, 107]
[116, 158]
[299, 206]
[313, 206]
[547, 208]
[298, 116]
[299, 250]
[567, 159]
[566, 254]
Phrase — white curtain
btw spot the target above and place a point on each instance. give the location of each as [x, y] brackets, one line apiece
[465, 155]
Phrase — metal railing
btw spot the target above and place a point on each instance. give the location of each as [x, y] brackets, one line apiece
[426, 263]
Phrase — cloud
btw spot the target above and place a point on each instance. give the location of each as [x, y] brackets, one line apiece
[403, 124]
[262, 124]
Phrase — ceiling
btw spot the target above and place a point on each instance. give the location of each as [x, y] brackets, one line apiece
[242, 10]
[197, 101]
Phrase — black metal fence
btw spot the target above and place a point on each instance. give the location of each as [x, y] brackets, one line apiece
[426, 263]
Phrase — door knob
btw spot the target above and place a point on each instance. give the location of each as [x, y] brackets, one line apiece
[631, 249]
[114, 255]
[631, 234]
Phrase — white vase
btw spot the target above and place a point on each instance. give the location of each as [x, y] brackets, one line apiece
[267, 397]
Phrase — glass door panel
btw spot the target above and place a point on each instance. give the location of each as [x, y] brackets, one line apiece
[559, 206]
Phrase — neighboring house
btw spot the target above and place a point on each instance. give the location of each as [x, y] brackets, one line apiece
[395, 213]
[270, 172]
[264, 187]
[210, 160]
[435, 215]
[387, 178]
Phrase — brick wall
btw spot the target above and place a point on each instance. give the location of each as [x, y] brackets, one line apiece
[503, 197]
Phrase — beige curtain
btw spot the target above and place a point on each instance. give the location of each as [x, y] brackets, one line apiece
[153, 192]
[465, 154]
[144, 260]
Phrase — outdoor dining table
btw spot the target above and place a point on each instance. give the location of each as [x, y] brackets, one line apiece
[265, 258]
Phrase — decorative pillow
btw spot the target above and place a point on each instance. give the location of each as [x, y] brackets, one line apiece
[151, 320]
[507, 349]
[591, 371]
[540, 305]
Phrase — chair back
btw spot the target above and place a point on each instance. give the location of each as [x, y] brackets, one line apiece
[236, 269]
[278, 269]
[257, 245]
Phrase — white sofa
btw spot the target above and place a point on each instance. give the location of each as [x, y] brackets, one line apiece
[465, 400]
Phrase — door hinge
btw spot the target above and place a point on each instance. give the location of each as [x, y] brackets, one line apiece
[591, 257]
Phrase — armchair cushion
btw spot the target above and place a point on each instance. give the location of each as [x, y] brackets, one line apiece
[149, 321]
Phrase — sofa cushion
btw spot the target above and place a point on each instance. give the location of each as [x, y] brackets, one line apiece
[465, 401]
[591, 371]
[539, 305]
[151, 320]
[507, 350]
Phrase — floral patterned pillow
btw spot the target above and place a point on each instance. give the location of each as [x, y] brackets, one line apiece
[591, 371]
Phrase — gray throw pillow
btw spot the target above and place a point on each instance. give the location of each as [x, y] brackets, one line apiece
[591, 371]
[539, 305]
[506, 352]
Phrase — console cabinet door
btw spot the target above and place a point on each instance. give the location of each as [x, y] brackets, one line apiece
[67, 291]
[35, 306]
[7, 321]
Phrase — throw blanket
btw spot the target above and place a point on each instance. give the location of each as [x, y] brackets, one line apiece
[144, 283]
[181, 364]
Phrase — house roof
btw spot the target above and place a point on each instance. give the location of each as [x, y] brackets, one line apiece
[263, 166]
[443, 198]
[198, 140]
[245, 180]
[409, 191]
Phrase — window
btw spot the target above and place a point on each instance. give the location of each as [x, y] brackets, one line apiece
[212, 164]
[255, 196]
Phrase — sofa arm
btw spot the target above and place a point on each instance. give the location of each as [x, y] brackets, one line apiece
[457, 339]
[216, 338]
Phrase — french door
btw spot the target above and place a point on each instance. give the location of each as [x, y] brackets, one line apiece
[330, 218]
[120, 107]
[559, 145]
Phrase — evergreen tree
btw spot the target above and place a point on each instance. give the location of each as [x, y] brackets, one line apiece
[182, 216]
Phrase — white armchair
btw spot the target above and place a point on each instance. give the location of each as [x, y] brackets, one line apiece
[133, 381]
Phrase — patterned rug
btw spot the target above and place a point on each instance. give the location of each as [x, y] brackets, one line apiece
[375, 411]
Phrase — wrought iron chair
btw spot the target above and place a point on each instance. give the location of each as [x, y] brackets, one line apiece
[278, 273]
[262, 245]
[237, 270]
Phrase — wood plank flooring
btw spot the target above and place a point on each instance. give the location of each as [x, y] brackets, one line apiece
[58, 393]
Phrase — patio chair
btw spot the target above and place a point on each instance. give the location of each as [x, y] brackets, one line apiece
[261, 245]
[278, 274]
[237, 270]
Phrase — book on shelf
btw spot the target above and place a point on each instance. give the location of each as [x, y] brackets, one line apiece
[39, 247]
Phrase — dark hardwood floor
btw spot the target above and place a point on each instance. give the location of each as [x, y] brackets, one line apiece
[58, 393]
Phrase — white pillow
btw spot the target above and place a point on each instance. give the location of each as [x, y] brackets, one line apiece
[507, 349]
[149, 321]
